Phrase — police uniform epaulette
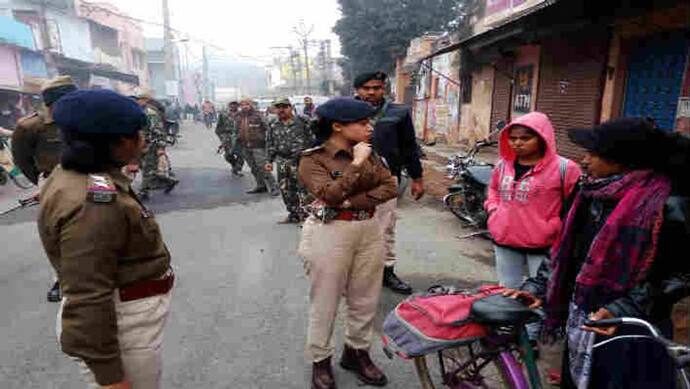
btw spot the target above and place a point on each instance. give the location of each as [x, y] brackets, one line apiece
[101, 189]
[312, 150]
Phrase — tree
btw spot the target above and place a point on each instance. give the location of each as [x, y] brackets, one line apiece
[373, 33]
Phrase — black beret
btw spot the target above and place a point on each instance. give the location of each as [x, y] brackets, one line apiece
[98, 111]
[626, 140]
[363, 78]
[345, 110]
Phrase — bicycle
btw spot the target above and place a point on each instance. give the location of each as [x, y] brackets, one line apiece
[502, 359]
[679, 353]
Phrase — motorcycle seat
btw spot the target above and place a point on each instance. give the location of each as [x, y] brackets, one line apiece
[481, 173]
[500, 310]
[455, 188]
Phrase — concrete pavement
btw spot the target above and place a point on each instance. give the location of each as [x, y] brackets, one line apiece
[240, 304]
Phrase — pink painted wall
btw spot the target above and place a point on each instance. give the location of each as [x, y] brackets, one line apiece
[9, 71]
[130, 33]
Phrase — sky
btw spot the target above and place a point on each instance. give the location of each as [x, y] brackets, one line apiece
[243, 29]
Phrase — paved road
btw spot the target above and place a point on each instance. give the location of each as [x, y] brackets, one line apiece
[239, 312]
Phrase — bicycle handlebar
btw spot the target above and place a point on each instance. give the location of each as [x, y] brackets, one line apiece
[624, 320]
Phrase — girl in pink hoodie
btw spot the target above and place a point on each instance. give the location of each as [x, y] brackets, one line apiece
[528, 188]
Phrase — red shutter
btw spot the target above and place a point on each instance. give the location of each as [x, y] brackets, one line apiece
[500, 102]
[571, 85]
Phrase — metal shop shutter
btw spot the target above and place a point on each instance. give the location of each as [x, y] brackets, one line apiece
[570, 85]
[500, 101]
[655, 74]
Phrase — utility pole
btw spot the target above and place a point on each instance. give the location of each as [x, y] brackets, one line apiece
[303, 32]
[45, 37]
[329, 68]
[169, 59]
[204, 70]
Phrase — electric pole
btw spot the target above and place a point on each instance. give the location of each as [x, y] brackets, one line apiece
[169, 59]
[303, 32]
[204, 70]
[45, 37]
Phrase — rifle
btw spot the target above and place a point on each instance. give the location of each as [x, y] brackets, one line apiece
[23, 203]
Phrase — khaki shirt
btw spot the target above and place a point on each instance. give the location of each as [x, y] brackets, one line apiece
[98, 237]
[36, 146]
[328, 173]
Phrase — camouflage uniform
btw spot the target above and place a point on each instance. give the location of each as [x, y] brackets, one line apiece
[226, 129]
[156, 139]
[285, 142]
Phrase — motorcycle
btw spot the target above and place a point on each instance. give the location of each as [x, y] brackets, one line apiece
[172, 128]
[465, 198]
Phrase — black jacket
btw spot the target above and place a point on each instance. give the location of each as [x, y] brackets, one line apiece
[668, 279]
[394, 139]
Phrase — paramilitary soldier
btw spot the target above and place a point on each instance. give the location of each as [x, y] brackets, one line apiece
[252, 137]
[394, 139]
[36, 143]
[105, 246]
[155, 138]
[286, 138]
[342, 243]
[226, 130]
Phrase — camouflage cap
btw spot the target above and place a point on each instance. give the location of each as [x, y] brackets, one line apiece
[281, 101]
[247, 100]
[57, 82]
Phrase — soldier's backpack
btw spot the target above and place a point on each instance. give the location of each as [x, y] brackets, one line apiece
[435, 320]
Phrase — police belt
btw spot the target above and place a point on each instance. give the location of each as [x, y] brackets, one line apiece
[149, 288]
[355, 214]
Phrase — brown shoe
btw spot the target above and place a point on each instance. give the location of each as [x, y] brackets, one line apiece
[322, 375]
[359, 362]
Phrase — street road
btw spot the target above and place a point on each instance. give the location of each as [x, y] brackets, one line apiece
[240, 304]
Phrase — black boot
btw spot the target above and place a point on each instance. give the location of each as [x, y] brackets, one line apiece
[54, 295]
[322, 375]
[392, 282]
[258, 189]
[359, 362]
[173, 183]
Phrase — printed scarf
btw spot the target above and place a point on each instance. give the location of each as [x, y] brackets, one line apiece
[620, 254]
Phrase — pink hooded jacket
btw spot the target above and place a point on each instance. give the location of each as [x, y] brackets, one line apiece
[526, 213]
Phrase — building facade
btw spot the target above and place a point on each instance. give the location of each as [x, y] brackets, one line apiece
[580, 62]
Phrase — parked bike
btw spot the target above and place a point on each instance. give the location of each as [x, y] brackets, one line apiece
[172, 128]
[465, 199]
[478, 337]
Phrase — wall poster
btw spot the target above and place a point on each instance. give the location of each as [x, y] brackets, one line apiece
[522, 103]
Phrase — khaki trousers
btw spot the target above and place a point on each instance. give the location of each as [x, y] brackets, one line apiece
[140, 326]
[341, 258]
[387, 215]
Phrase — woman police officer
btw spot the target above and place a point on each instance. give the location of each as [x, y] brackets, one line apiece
[105, 246]
[342, 244]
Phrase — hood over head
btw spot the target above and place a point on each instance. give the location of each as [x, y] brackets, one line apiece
[539, 123]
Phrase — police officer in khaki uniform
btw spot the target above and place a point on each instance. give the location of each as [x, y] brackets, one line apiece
[105, 246]
[342, 242]
[36, 143]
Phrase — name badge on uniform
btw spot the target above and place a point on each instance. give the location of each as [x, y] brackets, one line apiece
[101, 189]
